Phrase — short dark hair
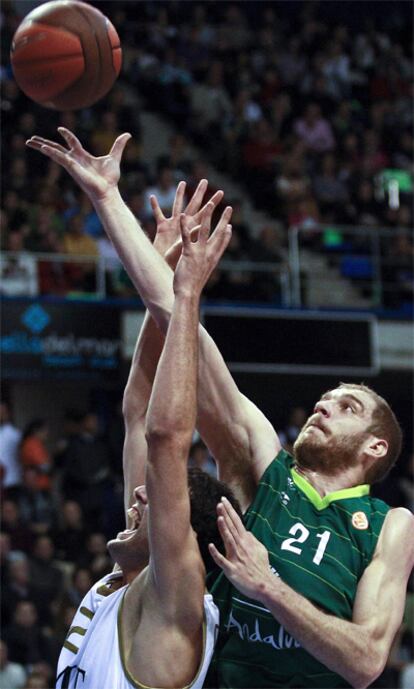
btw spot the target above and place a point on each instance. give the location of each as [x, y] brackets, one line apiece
[385, 426]
[205, 493]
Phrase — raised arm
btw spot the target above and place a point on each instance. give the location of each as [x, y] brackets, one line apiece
[151, 341]
[175, 565]
[240, 437]
[357, 650]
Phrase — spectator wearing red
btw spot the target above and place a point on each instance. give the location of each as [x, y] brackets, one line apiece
[34, 452]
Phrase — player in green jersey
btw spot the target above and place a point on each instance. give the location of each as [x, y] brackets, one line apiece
[337, 603]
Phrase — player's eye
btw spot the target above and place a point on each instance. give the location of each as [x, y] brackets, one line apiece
[348, 407]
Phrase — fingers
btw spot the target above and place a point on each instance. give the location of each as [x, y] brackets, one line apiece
[232, 517]
[218, 558]
[119, 145]
[215, 199]
[186, 233]
[57, 154]
[206, 222]
[37, 142]
[158, 214]
[178, 200]
[227, 535]
[221, 236]
[71, 140]
[197, 198]
[174, 253]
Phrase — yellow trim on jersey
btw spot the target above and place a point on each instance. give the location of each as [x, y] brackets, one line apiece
[319, 502]
[88, 613]
[135, 682]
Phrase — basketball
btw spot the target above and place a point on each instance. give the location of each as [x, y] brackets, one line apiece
[66, 55]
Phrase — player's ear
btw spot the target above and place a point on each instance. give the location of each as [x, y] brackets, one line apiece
[376, 447]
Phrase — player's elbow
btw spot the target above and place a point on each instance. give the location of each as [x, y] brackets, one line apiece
[168, 435]
[367, 671]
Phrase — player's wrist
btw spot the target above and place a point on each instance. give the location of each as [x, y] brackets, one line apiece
[188, 294]
[267, 590]
[106, 197]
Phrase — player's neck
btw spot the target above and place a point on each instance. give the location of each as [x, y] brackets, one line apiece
[325, 484]
[130, 574]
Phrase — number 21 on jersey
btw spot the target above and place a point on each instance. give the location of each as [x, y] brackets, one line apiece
[301, 534]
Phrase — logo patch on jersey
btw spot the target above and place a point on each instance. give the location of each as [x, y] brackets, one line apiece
[290, 483]
[360, 520]
[284, 498]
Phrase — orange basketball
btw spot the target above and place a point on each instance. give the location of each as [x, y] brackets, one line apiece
[66, 55]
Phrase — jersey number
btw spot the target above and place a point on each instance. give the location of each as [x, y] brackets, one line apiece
[301, 534]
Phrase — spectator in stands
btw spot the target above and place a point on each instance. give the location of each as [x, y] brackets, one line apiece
[365, 208]
[314, 130]
[12, 675]
[36, 505]
[81, 582]
[95, 556]
[17, 585]
[374, 157]
[18, 270]
[47, 579]
[290, 432]
[13, 525]
[35, 454]
[329, 190]
[105, 133]
[70, 537]
[35, 680]
[164, 190]
[26, 641]
[42, 676]
[77, 243]
[293, 183]
[5, 551]
[86, 464]
[10, 437]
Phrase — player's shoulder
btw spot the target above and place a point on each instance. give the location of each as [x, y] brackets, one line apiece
[400, 519]
[396, 541]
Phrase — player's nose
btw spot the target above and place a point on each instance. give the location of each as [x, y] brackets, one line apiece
[323, 407]
[140, 494]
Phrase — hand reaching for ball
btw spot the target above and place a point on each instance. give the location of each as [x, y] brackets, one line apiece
[96, 176]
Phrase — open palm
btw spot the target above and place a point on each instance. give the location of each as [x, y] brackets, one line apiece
[168, 237]
[95, 175]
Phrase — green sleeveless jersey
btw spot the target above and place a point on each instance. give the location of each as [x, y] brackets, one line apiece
[318, 546]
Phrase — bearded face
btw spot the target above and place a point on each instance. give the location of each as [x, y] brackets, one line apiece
[330, 454]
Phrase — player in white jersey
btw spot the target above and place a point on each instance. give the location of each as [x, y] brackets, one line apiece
[151, 624]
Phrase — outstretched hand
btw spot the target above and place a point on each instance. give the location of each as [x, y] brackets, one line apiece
[95, 175]
[246, 563]
[168, 238]
[200, 252]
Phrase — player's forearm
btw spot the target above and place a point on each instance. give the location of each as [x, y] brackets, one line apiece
[149, 272]
[142, 372]
[345, 647]
[173, 405]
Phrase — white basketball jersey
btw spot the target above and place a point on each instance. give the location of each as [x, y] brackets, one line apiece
[91, 655]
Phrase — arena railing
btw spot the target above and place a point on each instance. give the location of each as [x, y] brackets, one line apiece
[351, 267]
[45, 274]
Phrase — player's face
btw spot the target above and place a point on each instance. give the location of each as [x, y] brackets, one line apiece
[333, 437]
[130, 549]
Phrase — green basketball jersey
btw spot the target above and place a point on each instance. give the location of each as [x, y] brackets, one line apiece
[318, 546]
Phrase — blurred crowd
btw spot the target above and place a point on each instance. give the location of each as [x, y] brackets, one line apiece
[306, 107]
[58, 511]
